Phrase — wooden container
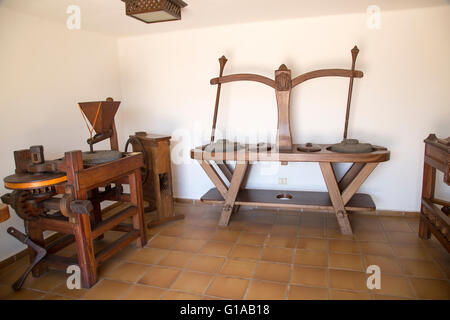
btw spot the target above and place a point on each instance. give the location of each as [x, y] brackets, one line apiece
[4, 212]
[158, 190]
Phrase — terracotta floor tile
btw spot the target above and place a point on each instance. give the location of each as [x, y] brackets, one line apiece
[370, 236]
[431, 289]
[159, 277]
[257, 239]
[282, 241]
[312, 244]
[173, 231]
[260, 290]
[216, 248]
[277, 255]
[313, 232]
[412, 252]
[273, 272]
[139, 292]
[315, 277]
[246, 252]
[376, 248]
[349, 280]
[285, 230]
[189, 245]
[206, 264]
[335, 233]
[177, 259]
[147, 256]
[345, 261]
[290, 220]
[192, 282]
[5, 290]
[239, 268]
[258, 228]
[51, 296]
[394, 286]
[403, 237]
[225, 235]
[46, 282]
[107, 290]
[175, 295]
[25, 294]
[128, 272]
[385, 297]
[73, 293]
[311, 258]
[230, 288]
[343, 246]
[199, 233]
[394, 224]
[161, 242]
[419, 268]
[349, 295]
[127, 252]
[388, 265]
[307, 293]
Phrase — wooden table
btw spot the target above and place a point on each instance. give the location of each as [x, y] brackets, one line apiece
[341, 196]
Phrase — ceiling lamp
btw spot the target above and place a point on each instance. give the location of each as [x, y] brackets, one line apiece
[150, 11]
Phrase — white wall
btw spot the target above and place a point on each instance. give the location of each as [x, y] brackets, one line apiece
[45, 69]
[403, 96]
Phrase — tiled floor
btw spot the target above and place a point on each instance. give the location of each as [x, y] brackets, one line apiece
[261, 255]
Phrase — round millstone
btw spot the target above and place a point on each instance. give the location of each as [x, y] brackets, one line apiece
[351, 146]
[99, 157]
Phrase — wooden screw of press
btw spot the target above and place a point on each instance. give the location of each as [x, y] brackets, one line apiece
[222, 62]
[355, 52]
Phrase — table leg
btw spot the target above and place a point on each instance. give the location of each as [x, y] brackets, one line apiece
[230, 197]
[336, 198]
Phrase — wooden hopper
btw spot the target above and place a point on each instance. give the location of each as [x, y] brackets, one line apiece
[101, 116]
[105, 118]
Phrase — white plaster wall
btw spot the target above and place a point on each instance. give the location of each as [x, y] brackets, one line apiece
[45, 69]
[403, 96]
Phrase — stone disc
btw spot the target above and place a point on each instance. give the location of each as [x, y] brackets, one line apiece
[101, 156]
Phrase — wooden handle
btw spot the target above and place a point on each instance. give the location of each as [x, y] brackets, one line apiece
[355, 52]
[4, 212]
[222, 61]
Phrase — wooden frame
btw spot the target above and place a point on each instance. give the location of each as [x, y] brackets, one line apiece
[83, 183]
[432, 219]
[341, 196]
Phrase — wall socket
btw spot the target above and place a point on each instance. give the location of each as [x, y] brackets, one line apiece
[282, 180]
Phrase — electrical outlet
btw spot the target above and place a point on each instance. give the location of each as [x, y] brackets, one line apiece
[282, 180]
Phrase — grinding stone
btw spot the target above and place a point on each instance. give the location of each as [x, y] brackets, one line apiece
[351, 146]
[99, 157]
[223, 146]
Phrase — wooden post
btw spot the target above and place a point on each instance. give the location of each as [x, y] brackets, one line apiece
[81, 224]
[428, 186]
[137, 200]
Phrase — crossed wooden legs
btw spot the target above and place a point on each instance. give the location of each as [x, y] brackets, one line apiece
[340, 192]
[236, 182]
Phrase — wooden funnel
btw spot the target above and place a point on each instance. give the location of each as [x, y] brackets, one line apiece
[100, 114]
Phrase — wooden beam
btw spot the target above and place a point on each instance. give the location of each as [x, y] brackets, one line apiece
[215, 178]
[356, 183]
[336, 198]
[230, 196]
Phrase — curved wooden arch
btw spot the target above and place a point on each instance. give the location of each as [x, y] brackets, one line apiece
[244, 77]
[326, 73]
